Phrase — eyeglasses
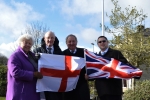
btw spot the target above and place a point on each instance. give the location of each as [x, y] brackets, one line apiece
[102, 41]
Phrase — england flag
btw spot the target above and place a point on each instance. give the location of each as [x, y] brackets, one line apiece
[60, 73]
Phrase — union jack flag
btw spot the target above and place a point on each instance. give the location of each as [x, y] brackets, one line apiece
[101, 67]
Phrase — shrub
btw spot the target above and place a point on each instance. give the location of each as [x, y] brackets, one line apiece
[141, 91]
[93, 92]
[3, 82]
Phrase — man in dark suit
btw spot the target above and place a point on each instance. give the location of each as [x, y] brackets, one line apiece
[49, 45]
[81, 92]
[49, 41]
[109, 89]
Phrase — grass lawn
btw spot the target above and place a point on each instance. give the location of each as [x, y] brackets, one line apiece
[2, 98]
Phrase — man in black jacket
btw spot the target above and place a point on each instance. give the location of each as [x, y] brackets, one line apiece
[50, 45]
[45, 42]
[81, 92]
[109, 89]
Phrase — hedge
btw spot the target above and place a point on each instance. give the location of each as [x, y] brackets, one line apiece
[141, 91]
[3, 80]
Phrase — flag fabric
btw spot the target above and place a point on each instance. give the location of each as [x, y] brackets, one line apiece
[60, 73]
[101, 67]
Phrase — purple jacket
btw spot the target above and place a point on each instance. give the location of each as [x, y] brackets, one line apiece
[21, 83]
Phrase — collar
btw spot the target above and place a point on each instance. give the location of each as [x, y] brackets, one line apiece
[20, 49]
[73, 51]
[52, 47]
[103, 52]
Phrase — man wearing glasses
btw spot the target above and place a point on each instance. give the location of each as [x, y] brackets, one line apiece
[109, 89]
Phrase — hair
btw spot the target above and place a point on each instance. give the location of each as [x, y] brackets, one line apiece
[71, 35]
[102, 37]
[49, 32]
[25, 37]
[56, 42]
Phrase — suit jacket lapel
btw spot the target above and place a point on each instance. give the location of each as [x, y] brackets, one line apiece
[99, 53]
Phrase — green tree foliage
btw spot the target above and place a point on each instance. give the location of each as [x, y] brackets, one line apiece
[3, 82]
[126, 20]
[3, 59]
[3, 71]
[140, 92]
[93, 92]
[128, 34]
[135, 48]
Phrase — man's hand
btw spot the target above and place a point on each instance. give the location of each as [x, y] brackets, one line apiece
[37, 56]
[38, 75]
[86, 77]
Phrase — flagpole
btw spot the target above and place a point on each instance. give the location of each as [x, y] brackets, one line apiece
[86, 76]
[85, 61]
[102, 17]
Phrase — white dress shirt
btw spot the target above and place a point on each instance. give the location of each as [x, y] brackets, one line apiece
[103, 52]
[73, 51]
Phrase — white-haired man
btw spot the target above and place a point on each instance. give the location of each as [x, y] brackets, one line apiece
[49, 47]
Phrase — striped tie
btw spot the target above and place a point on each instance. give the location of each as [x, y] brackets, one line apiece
[72, 51]
[49, 50]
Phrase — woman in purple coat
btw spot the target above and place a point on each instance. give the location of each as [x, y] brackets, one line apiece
[22, 72]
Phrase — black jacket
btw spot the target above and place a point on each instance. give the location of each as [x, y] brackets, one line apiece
[111, 86]
[42, 49]
[56, 42]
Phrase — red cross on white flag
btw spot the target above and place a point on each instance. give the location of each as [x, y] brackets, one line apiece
[60, 72]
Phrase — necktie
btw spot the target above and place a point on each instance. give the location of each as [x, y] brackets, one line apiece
[72, 51]
[49, 50]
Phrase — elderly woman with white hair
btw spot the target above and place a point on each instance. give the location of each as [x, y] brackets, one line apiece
[22, 72]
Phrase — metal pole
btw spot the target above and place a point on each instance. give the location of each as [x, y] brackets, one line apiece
[102, 17]
[93, 46]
